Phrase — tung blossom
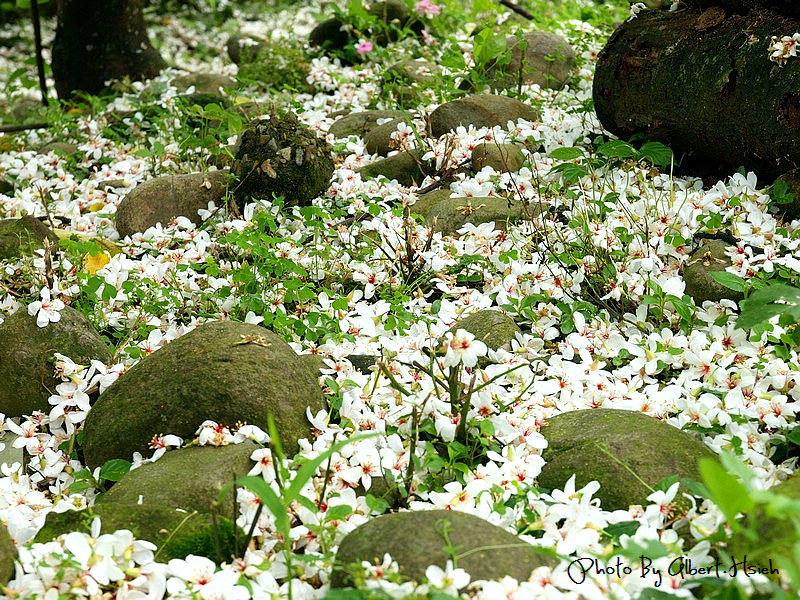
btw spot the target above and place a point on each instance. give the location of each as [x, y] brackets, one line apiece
[427, 8]
[783, 48]
[46, 310]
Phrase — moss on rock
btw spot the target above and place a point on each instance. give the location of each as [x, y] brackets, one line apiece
[404, 167]
[484, 110]
[492, 327]
[281, 157]
[279, 66]
[620, 449]
[175, 533]
[451, 214]
[23, 236]
[419, 539]
[188, 478]
[711, 256]
[26, 357]
[162, 199]
[547, 60]
[214, 373]
[503, 158]
[8, 552]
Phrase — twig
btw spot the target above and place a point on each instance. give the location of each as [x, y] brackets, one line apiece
[518, 9]
[37, 37]
[26, 127]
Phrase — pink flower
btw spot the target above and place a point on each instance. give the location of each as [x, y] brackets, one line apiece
[427, 37]
[364, 47]
[428, 8]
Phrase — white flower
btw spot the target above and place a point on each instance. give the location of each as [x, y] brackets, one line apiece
[462, 347]
[46, 309]
[448, 580]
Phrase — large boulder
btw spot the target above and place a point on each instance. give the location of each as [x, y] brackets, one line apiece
[451, 214]
[379, 139]
[711, 256]
[224, 371]
[175, 533]
[27, 352]
[23, 236]
[483, 110]
[8, 553]
[162, 199]
[547, 60]
[281, 157]
[621, 449]
[425, 202]
[360, 123]
[165, 482]
[417, 540]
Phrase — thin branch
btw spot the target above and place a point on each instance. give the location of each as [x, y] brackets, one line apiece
[37, 37]
[518, 9]
[26, 127]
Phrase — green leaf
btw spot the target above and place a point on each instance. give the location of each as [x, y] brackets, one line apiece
[338, 513]
[115, 469]
[726, 491]
[729, 280]
[271, 500]
[617, 149]
[657, 153]
[376, 504]
[569, 153]
[615, 530]
[767, 302]
[794, 436]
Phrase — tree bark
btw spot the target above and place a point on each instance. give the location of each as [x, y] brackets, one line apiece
[703, 83]
[98, 40]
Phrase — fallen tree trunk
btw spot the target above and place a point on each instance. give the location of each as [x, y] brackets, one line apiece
[703, 83]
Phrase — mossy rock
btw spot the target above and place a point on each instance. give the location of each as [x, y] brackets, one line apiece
[162, 199]
[451, 214]
[711, 256]
[329, 35]
[188, 478]
[503, 158]
[620, 449]
[418, 539]
[780, 533]
[27, 357]
[491, 327]
[278, 66]
[8, 553]
[280, 156]
[23, 236]
[361, 122]
[403, 167]
[212, 372]
[483, 110]
[243, 49]
[176, 534]
[407, 80]
[425, 202]
[379, 139]
[548, 61]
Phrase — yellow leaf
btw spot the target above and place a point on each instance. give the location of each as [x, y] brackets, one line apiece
[97, 206]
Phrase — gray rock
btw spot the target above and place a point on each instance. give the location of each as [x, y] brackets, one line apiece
[483, 110]
[27, 377]
[502, 158]
[548, 61]
[710, 256]
[359, 123]
[419, 539]
[23, 236]
[204, 83]
[241, 49]
[426, 202]
[162, 199]
[214, 373]
[620, 449]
